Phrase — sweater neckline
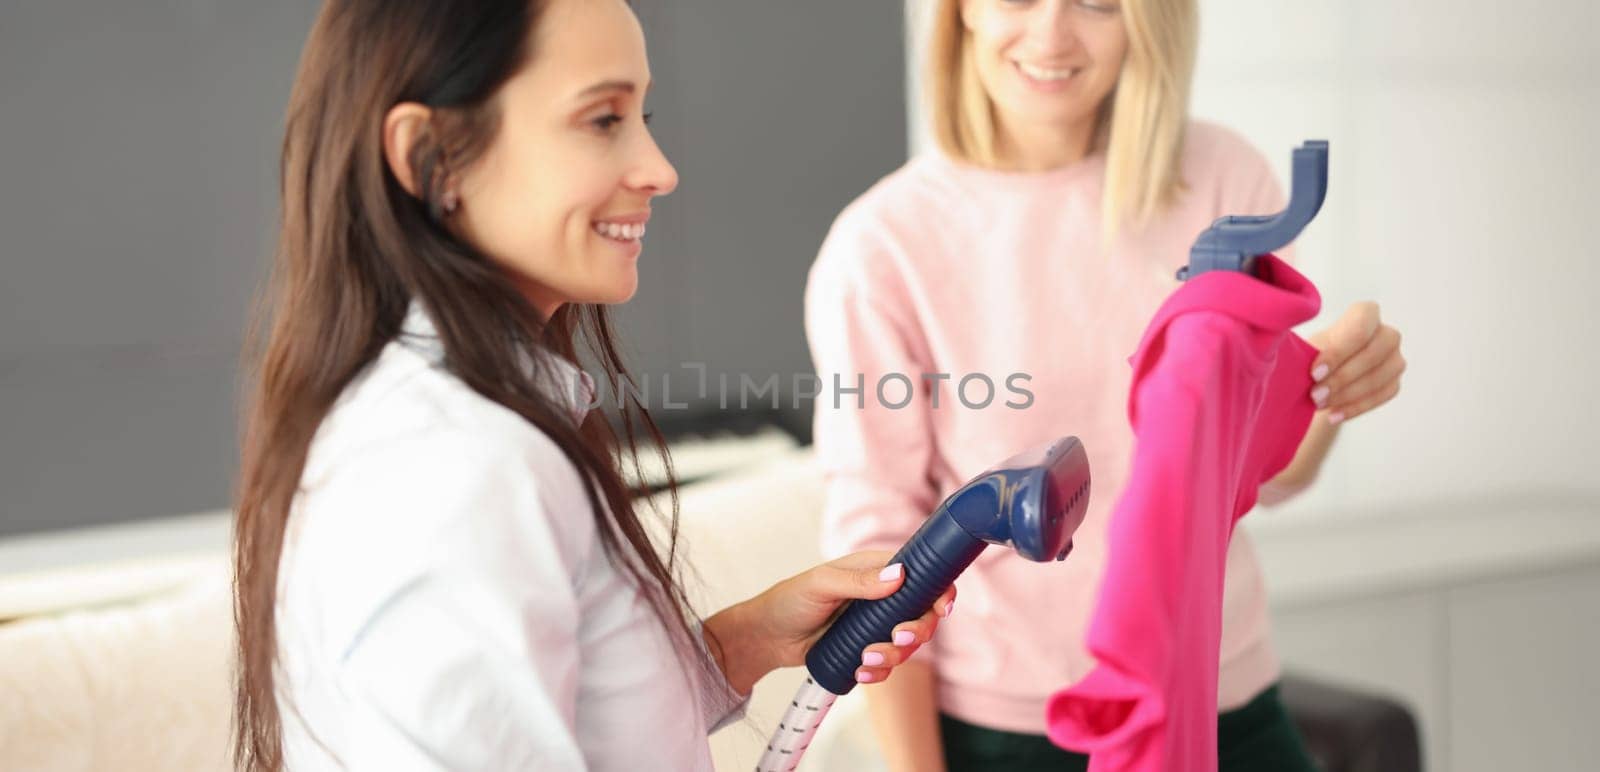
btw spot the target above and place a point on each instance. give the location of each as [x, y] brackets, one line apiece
[1086, 167]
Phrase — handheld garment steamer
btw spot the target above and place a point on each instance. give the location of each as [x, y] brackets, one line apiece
[1032, 502]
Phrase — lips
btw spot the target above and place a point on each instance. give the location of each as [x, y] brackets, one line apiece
[623, 228]
[618, 231]
[1046, 75]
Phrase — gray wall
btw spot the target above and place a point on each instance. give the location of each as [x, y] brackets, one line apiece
[138, 143]
[777, 115]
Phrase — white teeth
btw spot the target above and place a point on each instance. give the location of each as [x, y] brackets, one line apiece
[1044, 73]
[619, 231]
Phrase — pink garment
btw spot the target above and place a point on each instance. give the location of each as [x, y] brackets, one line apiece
[946, 268]
[1219, 404]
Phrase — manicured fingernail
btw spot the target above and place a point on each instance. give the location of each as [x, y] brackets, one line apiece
[904, 638]
[950, 607]
[890, 573]
[1319, 395]
[872, 658]
[1335, 418]
[865, 677]
[1319, 372]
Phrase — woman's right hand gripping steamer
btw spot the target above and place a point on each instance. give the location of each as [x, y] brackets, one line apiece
[1032, 502]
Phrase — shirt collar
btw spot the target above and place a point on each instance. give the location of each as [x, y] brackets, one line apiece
[560, 379]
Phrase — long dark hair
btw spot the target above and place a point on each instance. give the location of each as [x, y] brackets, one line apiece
[355, 249]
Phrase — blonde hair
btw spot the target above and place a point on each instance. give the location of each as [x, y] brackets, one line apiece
[1140, 126]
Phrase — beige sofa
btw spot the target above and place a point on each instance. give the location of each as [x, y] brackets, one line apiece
[125, 664]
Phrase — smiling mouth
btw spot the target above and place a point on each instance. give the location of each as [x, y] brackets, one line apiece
[1046, 74]
[623, 232]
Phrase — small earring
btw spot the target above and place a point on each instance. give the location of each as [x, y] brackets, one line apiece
[449, 202]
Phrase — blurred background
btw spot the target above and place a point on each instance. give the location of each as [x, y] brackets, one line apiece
[1448, 561]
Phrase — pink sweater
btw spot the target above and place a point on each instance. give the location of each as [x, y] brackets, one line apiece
[1220, 402]
[948, 269]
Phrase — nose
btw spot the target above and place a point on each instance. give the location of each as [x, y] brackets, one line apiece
[652, 173]
[1054, 29]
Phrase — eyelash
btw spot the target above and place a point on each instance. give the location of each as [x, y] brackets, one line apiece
[1087, 6]
[605, 122]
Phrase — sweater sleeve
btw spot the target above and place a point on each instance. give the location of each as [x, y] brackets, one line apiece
[874, 451]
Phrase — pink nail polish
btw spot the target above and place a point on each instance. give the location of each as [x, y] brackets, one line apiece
[865, 677]
[890, 573]
[949, 608]
[1319, 395]
[904, 638]
[1335, 418]
[872, 659]
[1320, 372]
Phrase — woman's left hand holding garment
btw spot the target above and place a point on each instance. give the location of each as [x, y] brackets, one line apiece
[1357, 369]
[1359, 366]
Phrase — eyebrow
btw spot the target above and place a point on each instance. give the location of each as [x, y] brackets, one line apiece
[625, 86]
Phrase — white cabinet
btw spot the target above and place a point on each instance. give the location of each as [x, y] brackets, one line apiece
[1389, 645]
[1523, 681]
[1486, 624]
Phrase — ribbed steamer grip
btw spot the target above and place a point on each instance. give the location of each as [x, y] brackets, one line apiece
[936, 554]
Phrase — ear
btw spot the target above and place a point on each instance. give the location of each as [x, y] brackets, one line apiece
[403, 124]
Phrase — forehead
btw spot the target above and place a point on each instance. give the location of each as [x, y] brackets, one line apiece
[581, 42]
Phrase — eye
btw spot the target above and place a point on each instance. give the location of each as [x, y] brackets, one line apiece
[1102, 7]
[648, 116]
[605, 122]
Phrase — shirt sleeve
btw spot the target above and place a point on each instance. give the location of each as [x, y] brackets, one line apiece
[874, 457]
[720, 705]
[456, 626]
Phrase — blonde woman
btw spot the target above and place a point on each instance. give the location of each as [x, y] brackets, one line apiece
[1009, 273]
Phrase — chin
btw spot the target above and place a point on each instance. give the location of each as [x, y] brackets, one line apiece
[1055, 114]
[620, 291]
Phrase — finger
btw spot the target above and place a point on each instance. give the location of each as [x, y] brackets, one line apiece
[945, 602]
[1383, 345]
[905, 640]
[917, 631]
[880, 659]
[1376, 380]
[1347, 336]
[872, 675]
[885, 655]
[1366, 405]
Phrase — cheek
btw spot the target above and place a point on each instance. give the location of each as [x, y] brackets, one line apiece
[586, 199]
[514, 217]
[995, 34]
[993, 42]
[1108, 49]
[546, 207]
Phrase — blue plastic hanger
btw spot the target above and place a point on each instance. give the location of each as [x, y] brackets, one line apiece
[1233, 242]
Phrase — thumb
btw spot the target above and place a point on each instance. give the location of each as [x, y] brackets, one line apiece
[858, 575]
[1354, 328]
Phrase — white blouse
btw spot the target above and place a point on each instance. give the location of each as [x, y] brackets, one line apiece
[444, 601]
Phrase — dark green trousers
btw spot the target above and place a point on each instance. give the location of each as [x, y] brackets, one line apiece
[1257, 736]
